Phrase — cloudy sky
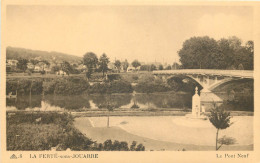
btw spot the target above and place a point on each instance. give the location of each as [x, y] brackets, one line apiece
[146, 33]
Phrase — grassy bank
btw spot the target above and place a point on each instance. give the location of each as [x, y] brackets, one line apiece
[64, 86]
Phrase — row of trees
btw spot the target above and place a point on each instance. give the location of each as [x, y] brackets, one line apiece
[93, 64]
[208, 53]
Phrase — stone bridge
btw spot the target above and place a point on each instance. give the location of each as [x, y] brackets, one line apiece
[209, 79]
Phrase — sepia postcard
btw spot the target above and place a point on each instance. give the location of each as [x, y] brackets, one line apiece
[121, 81]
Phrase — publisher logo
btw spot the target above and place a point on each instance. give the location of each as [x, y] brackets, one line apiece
[13, 157]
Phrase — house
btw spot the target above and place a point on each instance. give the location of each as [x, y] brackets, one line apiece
[30, 66]
[37, 68]
[41, 66]
[11, 62]
[131, 69]
[81, 67]
[61, 72]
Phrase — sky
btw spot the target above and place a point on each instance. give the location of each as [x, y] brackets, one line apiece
[146, 33]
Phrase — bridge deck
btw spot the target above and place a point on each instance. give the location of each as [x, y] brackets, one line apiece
[210, 72]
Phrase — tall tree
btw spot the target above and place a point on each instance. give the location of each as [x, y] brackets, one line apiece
[66, 67]
[90, 60]
[199, 52]
[125, 65]
[103, 63]
[136, 64]
[22, 64]
[118, 65]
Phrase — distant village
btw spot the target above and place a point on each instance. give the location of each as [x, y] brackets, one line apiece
[58, 67]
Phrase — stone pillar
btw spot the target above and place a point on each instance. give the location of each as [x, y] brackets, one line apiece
[196, 104]
[207, 81]
[205, 84]
[216, 79]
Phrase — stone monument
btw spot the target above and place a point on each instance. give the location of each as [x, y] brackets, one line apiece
[196, 104]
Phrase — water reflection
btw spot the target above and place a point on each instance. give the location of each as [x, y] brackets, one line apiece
[240, 102]
[85, 102]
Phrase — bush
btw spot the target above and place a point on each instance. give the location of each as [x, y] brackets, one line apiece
[108, 145]
[49, 86]
[98, 88]
[112, 77]
[111, 87]
[42, 131]
[120, 87]
[150, 87]
[24, 86]
[71, 86]
[24, 132]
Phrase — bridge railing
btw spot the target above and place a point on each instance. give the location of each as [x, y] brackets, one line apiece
[214, 72]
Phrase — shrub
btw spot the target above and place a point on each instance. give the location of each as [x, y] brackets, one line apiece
[71, 86]
[24, 86]
[120, 87]
[98, 88]
[53, 130]
[111, 87]
[150, 87]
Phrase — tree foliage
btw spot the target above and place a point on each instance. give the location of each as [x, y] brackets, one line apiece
[125, 65]
[220, 120]
[66, 67]
[103, 63]
[208, 53]
[118, 65]
[136, 63]
[90, 60]
[22, 64]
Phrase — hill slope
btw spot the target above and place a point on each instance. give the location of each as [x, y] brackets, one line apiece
[16, 53]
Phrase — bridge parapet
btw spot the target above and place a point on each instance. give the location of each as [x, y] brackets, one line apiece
[208, 72]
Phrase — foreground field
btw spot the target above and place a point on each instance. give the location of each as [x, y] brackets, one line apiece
[167, 132]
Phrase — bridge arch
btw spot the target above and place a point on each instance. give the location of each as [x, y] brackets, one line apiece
[205, 82]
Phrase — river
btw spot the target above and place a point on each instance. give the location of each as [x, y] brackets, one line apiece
[169, 101]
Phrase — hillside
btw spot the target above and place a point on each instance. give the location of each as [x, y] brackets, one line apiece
[16, 53]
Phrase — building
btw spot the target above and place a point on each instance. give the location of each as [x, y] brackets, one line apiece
[61, 72]
[30, 66]
[131, 69]
[41, 66]
[11, 62]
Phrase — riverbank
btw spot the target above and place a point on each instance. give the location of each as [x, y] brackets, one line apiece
[122, 112]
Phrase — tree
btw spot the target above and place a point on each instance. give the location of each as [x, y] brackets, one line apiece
[103, 62]
[168, 67]
[136, 64]
[175, 66]
[220, 119]
[34, 61]
[125, 65]
[66, 67]
[118, 65]
[90, 60]
[152, 67]
[110, 107]
[22, 64]
[160, 67]
[55, 69]
[250, 46]
[199, 52]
